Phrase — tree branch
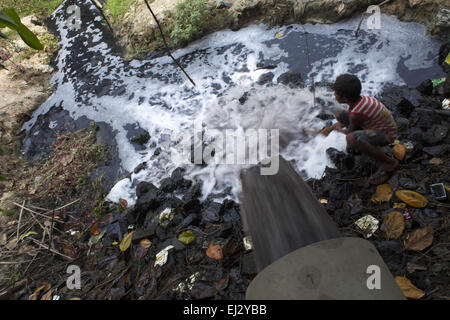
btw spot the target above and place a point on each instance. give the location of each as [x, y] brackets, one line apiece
[165, 44]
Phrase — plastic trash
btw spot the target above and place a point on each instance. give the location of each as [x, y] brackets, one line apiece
[166, 216]
[161, 257]
[248, 243]
[446, 104]
[368, 225]
[438, 191]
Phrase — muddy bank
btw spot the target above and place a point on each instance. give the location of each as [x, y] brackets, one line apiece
[137, 32]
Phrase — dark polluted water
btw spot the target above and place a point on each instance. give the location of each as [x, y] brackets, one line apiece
[127, 98]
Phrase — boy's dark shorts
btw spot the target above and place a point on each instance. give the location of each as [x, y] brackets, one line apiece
[373, 137]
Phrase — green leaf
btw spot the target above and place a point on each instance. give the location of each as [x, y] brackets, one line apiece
[3, 178]
[27, 36]
[8, 213]
[30, 233]
[6, 21]
[126, 241]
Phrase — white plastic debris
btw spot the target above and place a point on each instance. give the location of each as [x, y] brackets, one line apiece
[248, 243]
[161, 257]
[446, 104]
[323, 201]
[56, 297]
[187, 284]
[166, 217]
[368, 225]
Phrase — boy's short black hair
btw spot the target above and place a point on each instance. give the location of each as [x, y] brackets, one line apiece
[347, 86]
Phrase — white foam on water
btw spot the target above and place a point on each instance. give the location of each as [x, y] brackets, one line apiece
[224, 67]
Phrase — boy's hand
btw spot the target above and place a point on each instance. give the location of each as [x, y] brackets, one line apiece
[326, 131]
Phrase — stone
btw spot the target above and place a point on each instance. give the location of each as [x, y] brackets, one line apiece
[140, 167]
[266, 78]
[442, 18]
[436, 134]
[405, 107]
[437, 151]
[142, 138]
[291, 78]
[211, 213]
[402, 123]
[426, 87]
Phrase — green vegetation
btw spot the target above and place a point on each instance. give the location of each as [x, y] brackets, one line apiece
[191, 18]
[27, 7]
[10, 19]
[118, 8]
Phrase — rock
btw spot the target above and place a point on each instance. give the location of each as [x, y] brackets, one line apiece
[402, 123]
[442, 18]
[426, 87]
[151, 199]
[223, 4]
[266, 78]
[291, 78]
[211, 213]
[340, 159]
[144, 233]
[143, 187]
[140, 167]
[436, 134]
[244, 98]
[405, 108]
[437, 151]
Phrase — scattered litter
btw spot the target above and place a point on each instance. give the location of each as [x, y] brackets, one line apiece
[409, 290]
[279, 34]
[437, 82]
[409, 146]
[248, 243]
[368, 225]
[186, 237]
[166, 216]
[446, 104]
[412, 198]
[56, 297]
[161, 257]
[419, 239]
[438, 191]
[131, 227]
[187, 284]
[323, 201]
[399, 205]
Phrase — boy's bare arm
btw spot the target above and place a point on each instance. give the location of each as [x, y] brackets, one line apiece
[356, 121]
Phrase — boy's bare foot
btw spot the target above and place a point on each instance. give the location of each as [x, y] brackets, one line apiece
[384, 173]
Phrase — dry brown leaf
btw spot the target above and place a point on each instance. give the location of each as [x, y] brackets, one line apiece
[3, 239]
[45, 286]
[412, 198]
[419, 239]
[95, 230]
[409, 290]
[12, 244]
[436, 161]
[412, 267]
[47, 295]
[67, 159]
[393, 225]
[123, 203]
[145, 243]
[399, 151]
[214, 251]
[383, 193]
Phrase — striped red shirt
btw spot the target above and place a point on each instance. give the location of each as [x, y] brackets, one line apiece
[377, 117]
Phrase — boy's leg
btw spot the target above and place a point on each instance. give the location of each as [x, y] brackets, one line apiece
[367, 142]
